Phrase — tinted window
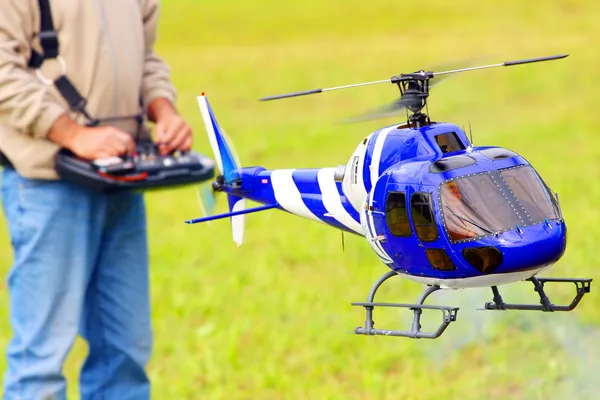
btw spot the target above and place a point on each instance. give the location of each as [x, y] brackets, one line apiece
[396, 214]
[446, 164]
[449, 142]
[422, 216]
[474, 206]
[532, 194]
[438, 258]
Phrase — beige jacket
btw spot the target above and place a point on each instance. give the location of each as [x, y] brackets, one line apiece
[108, 49]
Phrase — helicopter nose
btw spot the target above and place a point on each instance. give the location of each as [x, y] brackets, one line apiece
[520, 249]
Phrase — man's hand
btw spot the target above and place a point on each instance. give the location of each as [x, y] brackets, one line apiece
[90, 143]
[101, 142]
[171, 131]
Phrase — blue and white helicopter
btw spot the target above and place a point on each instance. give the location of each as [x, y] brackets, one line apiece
[433, 207]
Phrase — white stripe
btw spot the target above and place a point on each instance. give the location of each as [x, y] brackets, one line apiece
[212, 136]
[332, 201]
[237, 222]
[360, 180]
[356, 192]
[364, 222]
[287, 194]
[376, 156]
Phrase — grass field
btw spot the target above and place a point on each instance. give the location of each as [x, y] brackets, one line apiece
[270, 320]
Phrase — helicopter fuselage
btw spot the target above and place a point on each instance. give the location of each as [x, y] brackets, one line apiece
[447, 213]
[431, 205]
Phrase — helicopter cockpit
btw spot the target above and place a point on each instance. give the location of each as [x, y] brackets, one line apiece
[493, 202]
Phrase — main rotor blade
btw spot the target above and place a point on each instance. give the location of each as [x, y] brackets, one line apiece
[504, 64]
[395, 79]
[314, 91]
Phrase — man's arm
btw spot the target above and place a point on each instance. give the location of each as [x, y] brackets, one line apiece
[26, 104]
[159, 93]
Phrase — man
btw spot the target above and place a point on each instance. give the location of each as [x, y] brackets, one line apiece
[80, 257]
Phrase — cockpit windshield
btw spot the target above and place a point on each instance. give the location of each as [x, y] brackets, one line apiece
[495, 201]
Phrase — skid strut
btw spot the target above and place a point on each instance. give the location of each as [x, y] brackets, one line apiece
[582, 286]
[448, 314]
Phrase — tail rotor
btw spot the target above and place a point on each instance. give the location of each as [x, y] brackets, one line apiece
[228, 164]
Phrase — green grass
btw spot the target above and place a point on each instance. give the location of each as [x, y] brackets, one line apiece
[270, 320]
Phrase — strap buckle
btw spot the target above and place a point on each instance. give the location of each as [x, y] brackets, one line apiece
[48, 81]
[49, 42]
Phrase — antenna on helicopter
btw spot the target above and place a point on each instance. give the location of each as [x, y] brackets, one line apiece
[470, 132]
[414, 87]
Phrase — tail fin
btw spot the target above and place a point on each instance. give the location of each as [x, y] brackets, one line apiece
[228, 164]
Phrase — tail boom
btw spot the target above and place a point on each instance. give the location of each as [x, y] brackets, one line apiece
[309, 193]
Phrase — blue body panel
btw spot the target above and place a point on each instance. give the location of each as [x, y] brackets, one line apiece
[406, 167]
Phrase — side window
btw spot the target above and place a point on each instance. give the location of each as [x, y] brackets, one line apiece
[449, 142]
[396, 214]
[422, 217]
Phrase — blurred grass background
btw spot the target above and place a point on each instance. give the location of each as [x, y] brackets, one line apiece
[270, 319]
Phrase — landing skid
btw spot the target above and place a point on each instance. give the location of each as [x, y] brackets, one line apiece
[582, 286]
[448, 314]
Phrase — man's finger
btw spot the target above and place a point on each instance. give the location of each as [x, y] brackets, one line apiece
[187, 145]
[165, 133]
[130, 146]
[125, 141]
[117, 147]
[179, 139]
[103, 154]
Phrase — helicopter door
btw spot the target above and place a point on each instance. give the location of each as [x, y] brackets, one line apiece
[398, 229]
[372, 219]
[422, 217]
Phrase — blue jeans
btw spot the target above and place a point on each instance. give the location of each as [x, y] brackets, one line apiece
[80, 267]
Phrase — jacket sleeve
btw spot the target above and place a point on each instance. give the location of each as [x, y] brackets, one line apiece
[26, 104]
[156, 79]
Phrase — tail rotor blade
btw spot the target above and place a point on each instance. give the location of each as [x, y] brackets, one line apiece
[206, 200]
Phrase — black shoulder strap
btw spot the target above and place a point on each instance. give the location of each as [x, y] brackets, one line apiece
[48, 37]
[50, 49]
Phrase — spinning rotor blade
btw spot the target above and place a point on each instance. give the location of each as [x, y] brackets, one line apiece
[459, 66]
[386, 111]
[430, 75]
[401, 103]
[206, 199]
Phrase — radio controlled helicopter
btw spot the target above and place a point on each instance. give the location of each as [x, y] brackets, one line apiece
[433, 207]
